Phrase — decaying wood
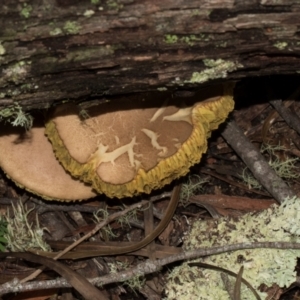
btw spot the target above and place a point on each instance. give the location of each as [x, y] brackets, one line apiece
[55, 50]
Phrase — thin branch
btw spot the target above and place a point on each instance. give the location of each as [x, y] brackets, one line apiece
[256, 163]
[289, 117]
[147, 267]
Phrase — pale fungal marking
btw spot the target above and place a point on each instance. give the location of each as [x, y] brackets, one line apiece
[159, 112]
[154, 136]
[101, 156]
[183, 114]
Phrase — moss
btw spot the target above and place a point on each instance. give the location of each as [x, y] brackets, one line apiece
[71, 27]
[26, 10]
[95, 1]
[216, 69]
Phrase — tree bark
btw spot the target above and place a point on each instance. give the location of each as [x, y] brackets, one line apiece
[90, 49]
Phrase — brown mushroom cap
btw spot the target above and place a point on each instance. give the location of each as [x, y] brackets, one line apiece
[28, 159]
[126, 148]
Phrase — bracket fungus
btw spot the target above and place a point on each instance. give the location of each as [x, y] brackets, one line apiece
[131, 147]
[28, 159]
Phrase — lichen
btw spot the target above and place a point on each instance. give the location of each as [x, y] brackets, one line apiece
[88, 13]
[218, 68]
[261, 266]
[22, 235]
[190, 39]
[171, 38]
[114, 5]
[55, 31]
[15, 115]
[2, 49]
[193, 184]
[15, 72]
[26, 10]
[3, 233]
[71, 27]
[162, 89]
[280, 45]
[186, 39]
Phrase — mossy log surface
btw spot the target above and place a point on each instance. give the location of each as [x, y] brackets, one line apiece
[58, 50]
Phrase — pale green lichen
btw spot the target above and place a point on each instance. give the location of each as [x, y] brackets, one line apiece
[88, 13]
[192, 185]
[190, 39]
[250, 180]
[285, 168]
[78, 55]
[55, 31]
[261, 266]
[2, 49]
[15, 115]
[162, 89]
[15, 72]
[186, 39]
[280, 45]
[135, 283]
[3, 233]
[170, 38]
[26, 10]
[95, 1]
[71, 27]
[22, 235]
[218, 68]
[100, 215]
[114, 5]
[221, 45]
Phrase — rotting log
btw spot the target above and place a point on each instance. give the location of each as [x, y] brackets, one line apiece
[82, 50]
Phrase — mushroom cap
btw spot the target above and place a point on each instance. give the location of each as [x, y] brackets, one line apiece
[28, 159]
[131, 147]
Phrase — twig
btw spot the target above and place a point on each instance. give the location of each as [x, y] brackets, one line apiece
[289, 117]
[147, 267]
[256, 163]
